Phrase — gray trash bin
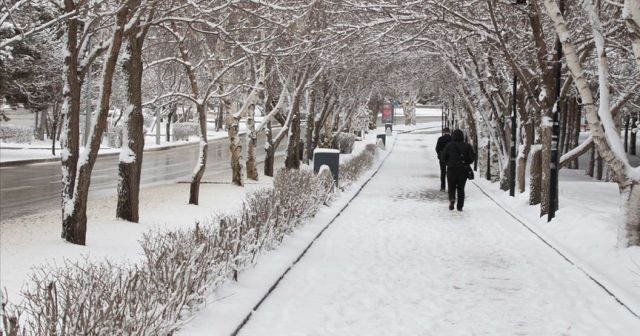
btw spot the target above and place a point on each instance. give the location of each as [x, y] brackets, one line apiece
[329, 157]
[383, 137]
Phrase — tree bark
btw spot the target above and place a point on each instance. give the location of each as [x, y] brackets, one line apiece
[72, 231]
[201, 165]
[269, 149]
[74, 217]
[293, 160]
[631, 205]
[535, 178]
[235, 148]
[130, 163]
[309, 133]
[252, 141]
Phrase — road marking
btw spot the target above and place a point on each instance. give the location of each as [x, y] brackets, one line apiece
[16, 188]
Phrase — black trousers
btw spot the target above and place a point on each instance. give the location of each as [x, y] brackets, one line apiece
[443, 174]
[457, 178]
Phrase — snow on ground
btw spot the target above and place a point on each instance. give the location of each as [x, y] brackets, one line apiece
[395, 262]
[398, 262]
[35, 239]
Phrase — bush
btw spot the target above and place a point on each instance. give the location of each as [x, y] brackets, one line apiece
[103, 298]
[352, 169]
[17, 134]
[182, 131]
[344, 142]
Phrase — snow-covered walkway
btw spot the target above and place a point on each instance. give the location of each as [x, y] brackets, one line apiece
[398, 262]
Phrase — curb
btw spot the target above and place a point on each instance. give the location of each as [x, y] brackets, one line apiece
[44, 160]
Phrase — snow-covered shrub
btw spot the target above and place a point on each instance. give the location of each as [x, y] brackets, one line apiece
[351, 170]
[344, 142]
[182, 131]
[178, 268]
[17, 134]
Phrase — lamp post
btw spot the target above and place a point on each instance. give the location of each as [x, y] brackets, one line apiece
[442, 118]
[555, 132]
[512, 166]
[489, 159]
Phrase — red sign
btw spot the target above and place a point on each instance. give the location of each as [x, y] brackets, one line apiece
[387, 113]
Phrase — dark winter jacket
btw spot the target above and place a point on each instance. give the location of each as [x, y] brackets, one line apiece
[442, 142]
[458, 154]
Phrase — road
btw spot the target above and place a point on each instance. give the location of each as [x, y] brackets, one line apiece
[32, 188]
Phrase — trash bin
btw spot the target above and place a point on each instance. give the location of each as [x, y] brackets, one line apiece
[383, 137]
[388, 126]
[329, 157]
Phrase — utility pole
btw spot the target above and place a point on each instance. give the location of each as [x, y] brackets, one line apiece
[489, 159]
[442, 119]
[512, 165]
[555, 132]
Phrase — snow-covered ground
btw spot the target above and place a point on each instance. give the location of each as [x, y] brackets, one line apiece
[398, 262]
[395, 262]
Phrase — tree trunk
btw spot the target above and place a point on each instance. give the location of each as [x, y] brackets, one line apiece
[545, 182]
[293, 160]
[72, 229]
[591, 164]
[252, 141]
[198, 171]
[309, 132]
[270, 151]
[130, 163]
[599, 166]
[528, 136]
[631, 202]
[172, 112]
[535, 178]
[74, 206]
[235, 148]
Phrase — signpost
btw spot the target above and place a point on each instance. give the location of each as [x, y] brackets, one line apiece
[387, 113]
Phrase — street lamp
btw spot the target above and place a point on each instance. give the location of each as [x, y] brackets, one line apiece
[512, 167]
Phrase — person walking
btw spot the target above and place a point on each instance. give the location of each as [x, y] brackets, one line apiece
[457, 155]
[442, 142]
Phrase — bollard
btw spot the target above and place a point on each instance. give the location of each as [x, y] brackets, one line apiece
[328, 157]
[383, 137]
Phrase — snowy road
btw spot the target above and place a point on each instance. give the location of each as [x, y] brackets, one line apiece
[398, 262]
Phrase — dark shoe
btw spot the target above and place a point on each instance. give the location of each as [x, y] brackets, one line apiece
[443, 189]
[451, 204]
[459, 209]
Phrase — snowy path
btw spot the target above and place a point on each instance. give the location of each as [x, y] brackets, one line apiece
[398, 262]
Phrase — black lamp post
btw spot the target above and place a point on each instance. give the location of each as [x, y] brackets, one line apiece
[555, 133]
[512, 166]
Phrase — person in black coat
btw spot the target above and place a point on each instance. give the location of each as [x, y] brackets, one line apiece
[458, 155]
[443, 141]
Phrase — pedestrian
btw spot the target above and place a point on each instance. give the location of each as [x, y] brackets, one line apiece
[457, 155]
[443, 141]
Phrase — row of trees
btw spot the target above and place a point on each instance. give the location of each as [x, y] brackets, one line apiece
[329, 60]
[576, 57]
